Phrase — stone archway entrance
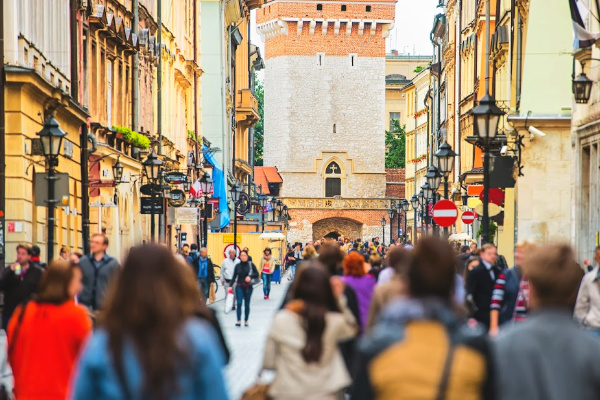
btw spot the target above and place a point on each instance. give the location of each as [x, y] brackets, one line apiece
[329, 227]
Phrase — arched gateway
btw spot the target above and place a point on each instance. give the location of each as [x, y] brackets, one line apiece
[336, 227]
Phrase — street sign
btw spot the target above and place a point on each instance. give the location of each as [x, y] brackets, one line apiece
[175, 177]
[468, 217]
[474, 190]
[493, 209]
[496, 196]
[230, 246]
[186, 216]
[147, 205]
[149, 187]
[445, 213]
[177, 198]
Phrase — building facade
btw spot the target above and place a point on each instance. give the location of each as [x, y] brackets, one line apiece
[325, 83]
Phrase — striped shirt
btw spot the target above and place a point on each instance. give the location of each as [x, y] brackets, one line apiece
[520, 311]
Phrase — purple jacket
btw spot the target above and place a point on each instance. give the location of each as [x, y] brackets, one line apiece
[364, 288]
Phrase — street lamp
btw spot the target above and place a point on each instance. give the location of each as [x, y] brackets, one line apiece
[273, 203]
[398, 211]
[414, 201]
[117, 170]
[434, 178]
[445, 158]
[582, 88]
[51, 136]
[383, 222]
[206, 185]
[487, 116]
[152, 165]
[262, 200]
[280, 208]
[391, 213]
[186, 185]
[405, 208]
[236, 190]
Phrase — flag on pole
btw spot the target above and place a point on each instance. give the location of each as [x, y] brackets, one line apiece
[583, 37]
[196, 190]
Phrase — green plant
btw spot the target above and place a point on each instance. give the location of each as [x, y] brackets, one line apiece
[491, 231]
[395, 143]
[191, 134]
[132, 137]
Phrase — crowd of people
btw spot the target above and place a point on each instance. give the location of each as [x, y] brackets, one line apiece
[359, 320]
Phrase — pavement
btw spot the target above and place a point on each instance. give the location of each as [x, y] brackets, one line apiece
[247, 343]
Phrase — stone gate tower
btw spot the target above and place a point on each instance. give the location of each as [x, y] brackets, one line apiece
[325, 112]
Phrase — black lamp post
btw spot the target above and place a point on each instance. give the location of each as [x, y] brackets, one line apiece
[52, 137]
[391, 213]
[117, 170]
[262, 200]
[273, 203]
[280, 208]
[152, 165]
[235, 196]
[422, 203]
[445, 158]
[398, 211]
[186, 185]
[383, 223]
[206, 185]
[405, 208]
[582, 85]
[434, 179]
[414, 201]
[487, 116]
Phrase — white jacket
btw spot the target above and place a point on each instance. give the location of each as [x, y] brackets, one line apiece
[294, 378]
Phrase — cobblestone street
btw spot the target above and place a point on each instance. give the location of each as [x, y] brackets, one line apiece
[246, 344]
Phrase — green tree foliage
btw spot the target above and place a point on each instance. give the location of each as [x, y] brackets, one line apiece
[395, 143]
[259, 128]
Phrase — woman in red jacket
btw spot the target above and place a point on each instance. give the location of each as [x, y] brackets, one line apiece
[46, 334]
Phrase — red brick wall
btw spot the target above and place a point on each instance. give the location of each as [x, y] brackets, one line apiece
[395, 183]
[367, 217]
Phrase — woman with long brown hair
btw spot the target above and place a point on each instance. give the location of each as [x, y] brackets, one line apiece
[303, 342]
[150, 345]
[46, 334]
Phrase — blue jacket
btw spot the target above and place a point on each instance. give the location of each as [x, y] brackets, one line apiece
[96, 377]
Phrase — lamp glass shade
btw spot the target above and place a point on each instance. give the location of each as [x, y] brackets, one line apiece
[421, 197]
[465, 198]
[206, 184]
[235, 192]
[487, 116]
[445, 157]
[117, 170]
[405, 205]
[427, 191]
[398, 205]
[582, 88]
[383, 221]
[279, 205]
[152, 166]
[186, 185]
[391, 213]
[414, 201]
[273, 202]
[51, 136]
[434, 178]
[262, 200]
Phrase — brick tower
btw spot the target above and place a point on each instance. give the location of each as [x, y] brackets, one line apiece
[325, 113]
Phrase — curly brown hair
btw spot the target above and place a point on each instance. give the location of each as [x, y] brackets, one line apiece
[354, 264]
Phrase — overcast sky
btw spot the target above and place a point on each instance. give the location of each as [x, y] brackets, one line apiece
[414, 20]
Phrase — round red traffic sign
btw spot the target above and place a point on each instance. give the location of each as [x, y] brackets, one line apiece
[468, 217]
[230, 247]
[496, 196]
[445, 213]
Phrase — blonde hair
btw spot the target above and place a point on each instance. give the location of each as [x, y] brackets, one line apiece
[309, 252]
[525, 245]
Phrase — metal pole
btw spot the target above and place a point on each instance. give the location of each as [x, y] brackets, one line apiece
[135, 70]
[398, 225]
[205, 238]
[415, 222]
[391, 231]
[51, 206]
[405, 224]
[383, 236]
[487, 46]
[152, 223]
[262, 218]
[446, 195]
[235, 226]
[485, 237]
[161, 222]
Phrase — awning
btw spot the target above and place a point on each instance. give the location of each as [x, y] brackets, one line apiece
[272, 236]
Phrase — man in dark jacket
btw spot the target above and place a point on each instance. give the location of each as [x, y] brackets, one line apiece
[203, 267]
[480, 284]
[19, 282]
[98, 269]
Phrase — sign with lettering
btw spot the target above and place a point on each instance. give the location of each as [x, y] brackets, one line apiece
[148, 205]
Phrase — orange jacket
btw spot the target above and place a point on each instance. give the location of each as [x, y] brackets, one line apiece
[45, 347]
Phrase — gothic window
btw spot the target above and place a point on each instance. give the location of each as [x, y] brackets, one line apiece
[333, 187]
[333, 168]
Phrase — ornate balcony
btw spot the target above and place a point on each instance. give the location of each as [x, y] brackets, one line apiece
[246, 109]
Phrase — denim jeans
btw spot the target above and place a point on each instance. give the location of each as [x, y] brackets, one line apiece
[243, 293]
[266, 278]
[293, 275]
[204, 286]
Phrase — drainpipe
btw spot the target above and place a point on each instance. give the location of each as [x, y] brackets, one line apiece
[135, 83]
[161, 221]
[2, 142]
[457, 93]
[196, 107]
[85, 183]
[74, 38]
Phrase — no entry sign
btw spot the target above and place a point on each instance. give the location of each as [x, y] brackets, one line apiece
[468, 217]
[445, 213]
